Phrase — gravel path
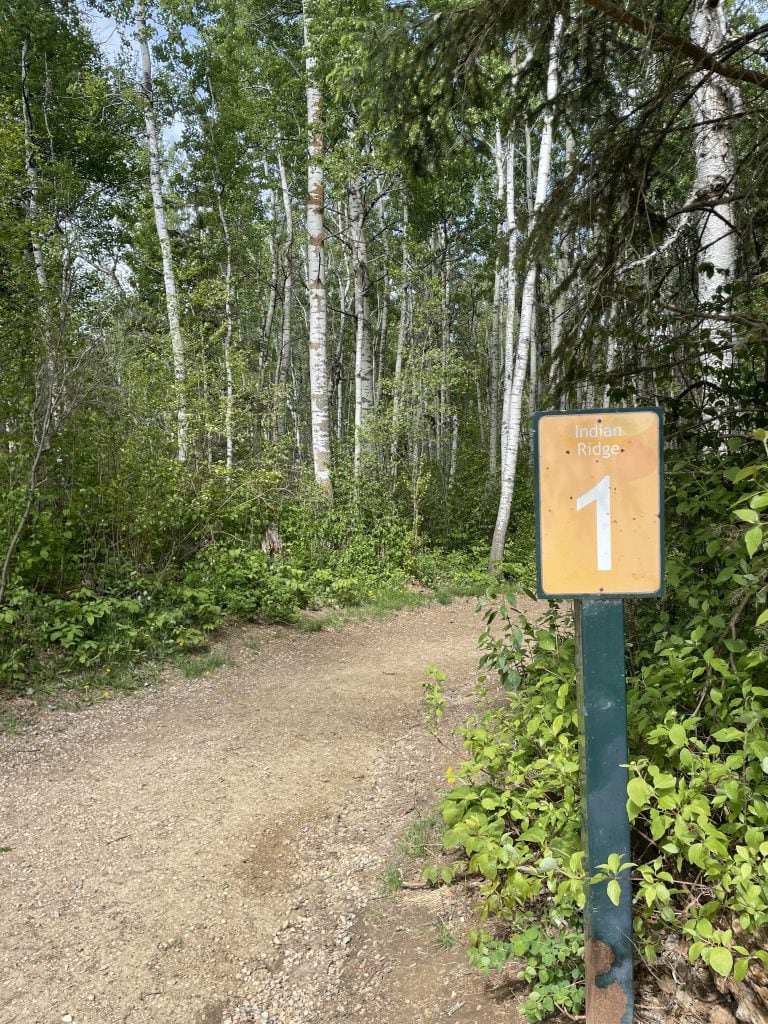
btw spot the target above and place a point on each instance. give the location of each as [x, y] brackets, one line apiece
[212, 851]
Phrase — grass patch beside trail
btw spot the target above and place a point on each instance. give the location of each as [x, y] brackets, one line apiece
[388, 601]
[194, 666]
[421, 841]
[66, 691]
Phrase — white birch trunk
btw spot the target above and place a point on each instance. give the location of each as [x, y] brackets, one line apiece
[445, 342]
[283, 354]
[610, 354]
[402, 337]
[454, 450]
[229, 397]
[509, 333]
[363, 347]
[161, 227]
[229, 393]
[713, 104]
[381, 362]
[383, 330]
[495, 339]
[493, 365]
[345, 312]
[266, 333]
[318, 321]
[526, 317]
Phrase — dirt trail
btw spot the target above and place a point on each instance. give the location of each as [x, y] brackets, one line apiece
[213, 851]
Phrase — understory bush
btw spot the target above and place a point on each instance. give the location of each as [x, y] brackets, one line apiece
[90, 588]
[697, 676]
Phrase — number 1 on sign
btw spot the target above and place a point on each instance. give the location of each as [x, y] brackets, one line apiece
[601, 495]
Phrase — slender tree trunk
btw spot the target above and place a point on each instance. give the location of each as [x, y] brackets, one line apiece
[493, 366]
[228, 326]
[158, 204]
[363, 346]
[218, 187]
[403, 333]
[713, 104]
[454, 450]
[526, 316]
[529, 195]
[284, 344]
[509, 334]
[381, 362]
[495, 339]
[563, 269]
[30, 164]
[445, 344]
[610, 354]
[45, 389]
[318, 322]
[269, 316]
[533, 372]
[345, 314]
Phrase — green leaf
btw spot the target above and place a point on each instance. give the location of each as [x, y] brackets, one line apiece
[704, 928]
[721, 960]
[729, 735]
[740, 969]
[762, 618]
[545, 640]
[639, 792]
[748, 515]
[678, 736]
[614, 892]
[694, 951]
[753, 539]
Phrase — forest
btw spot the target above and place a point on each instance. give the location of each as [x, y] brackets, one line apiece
[281, 285]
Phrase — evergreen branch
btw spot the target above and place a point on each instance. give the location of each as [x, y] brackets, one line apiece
[671, 40]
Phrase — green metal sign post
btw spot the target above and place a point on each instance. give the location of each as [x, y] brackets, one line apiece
[599, 539]
[604, 822]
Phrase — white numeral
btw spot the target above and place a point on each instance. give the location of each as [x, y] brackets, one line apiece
[601, 495]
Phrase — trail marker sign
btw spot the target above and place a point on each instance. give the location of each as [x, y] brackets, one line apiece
[599, 539]
[599, 514]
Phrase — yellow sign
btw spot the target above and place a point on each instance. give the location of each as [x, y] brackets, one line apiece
[599, 509]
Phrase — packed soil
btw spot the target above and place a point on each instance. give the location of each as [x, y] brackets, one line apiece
[224, 850]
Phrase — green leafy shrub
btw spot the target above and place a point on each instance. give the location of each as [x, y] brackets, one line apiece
[513, 813]
[698, 732]
[248, 585]
[552, 956]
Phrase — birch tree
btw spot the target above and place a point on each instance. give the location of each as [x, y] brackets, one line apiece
[364, 378]
[318, 376]
[714, 103]
[516, 384]
[161, 226]
[499, 157]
